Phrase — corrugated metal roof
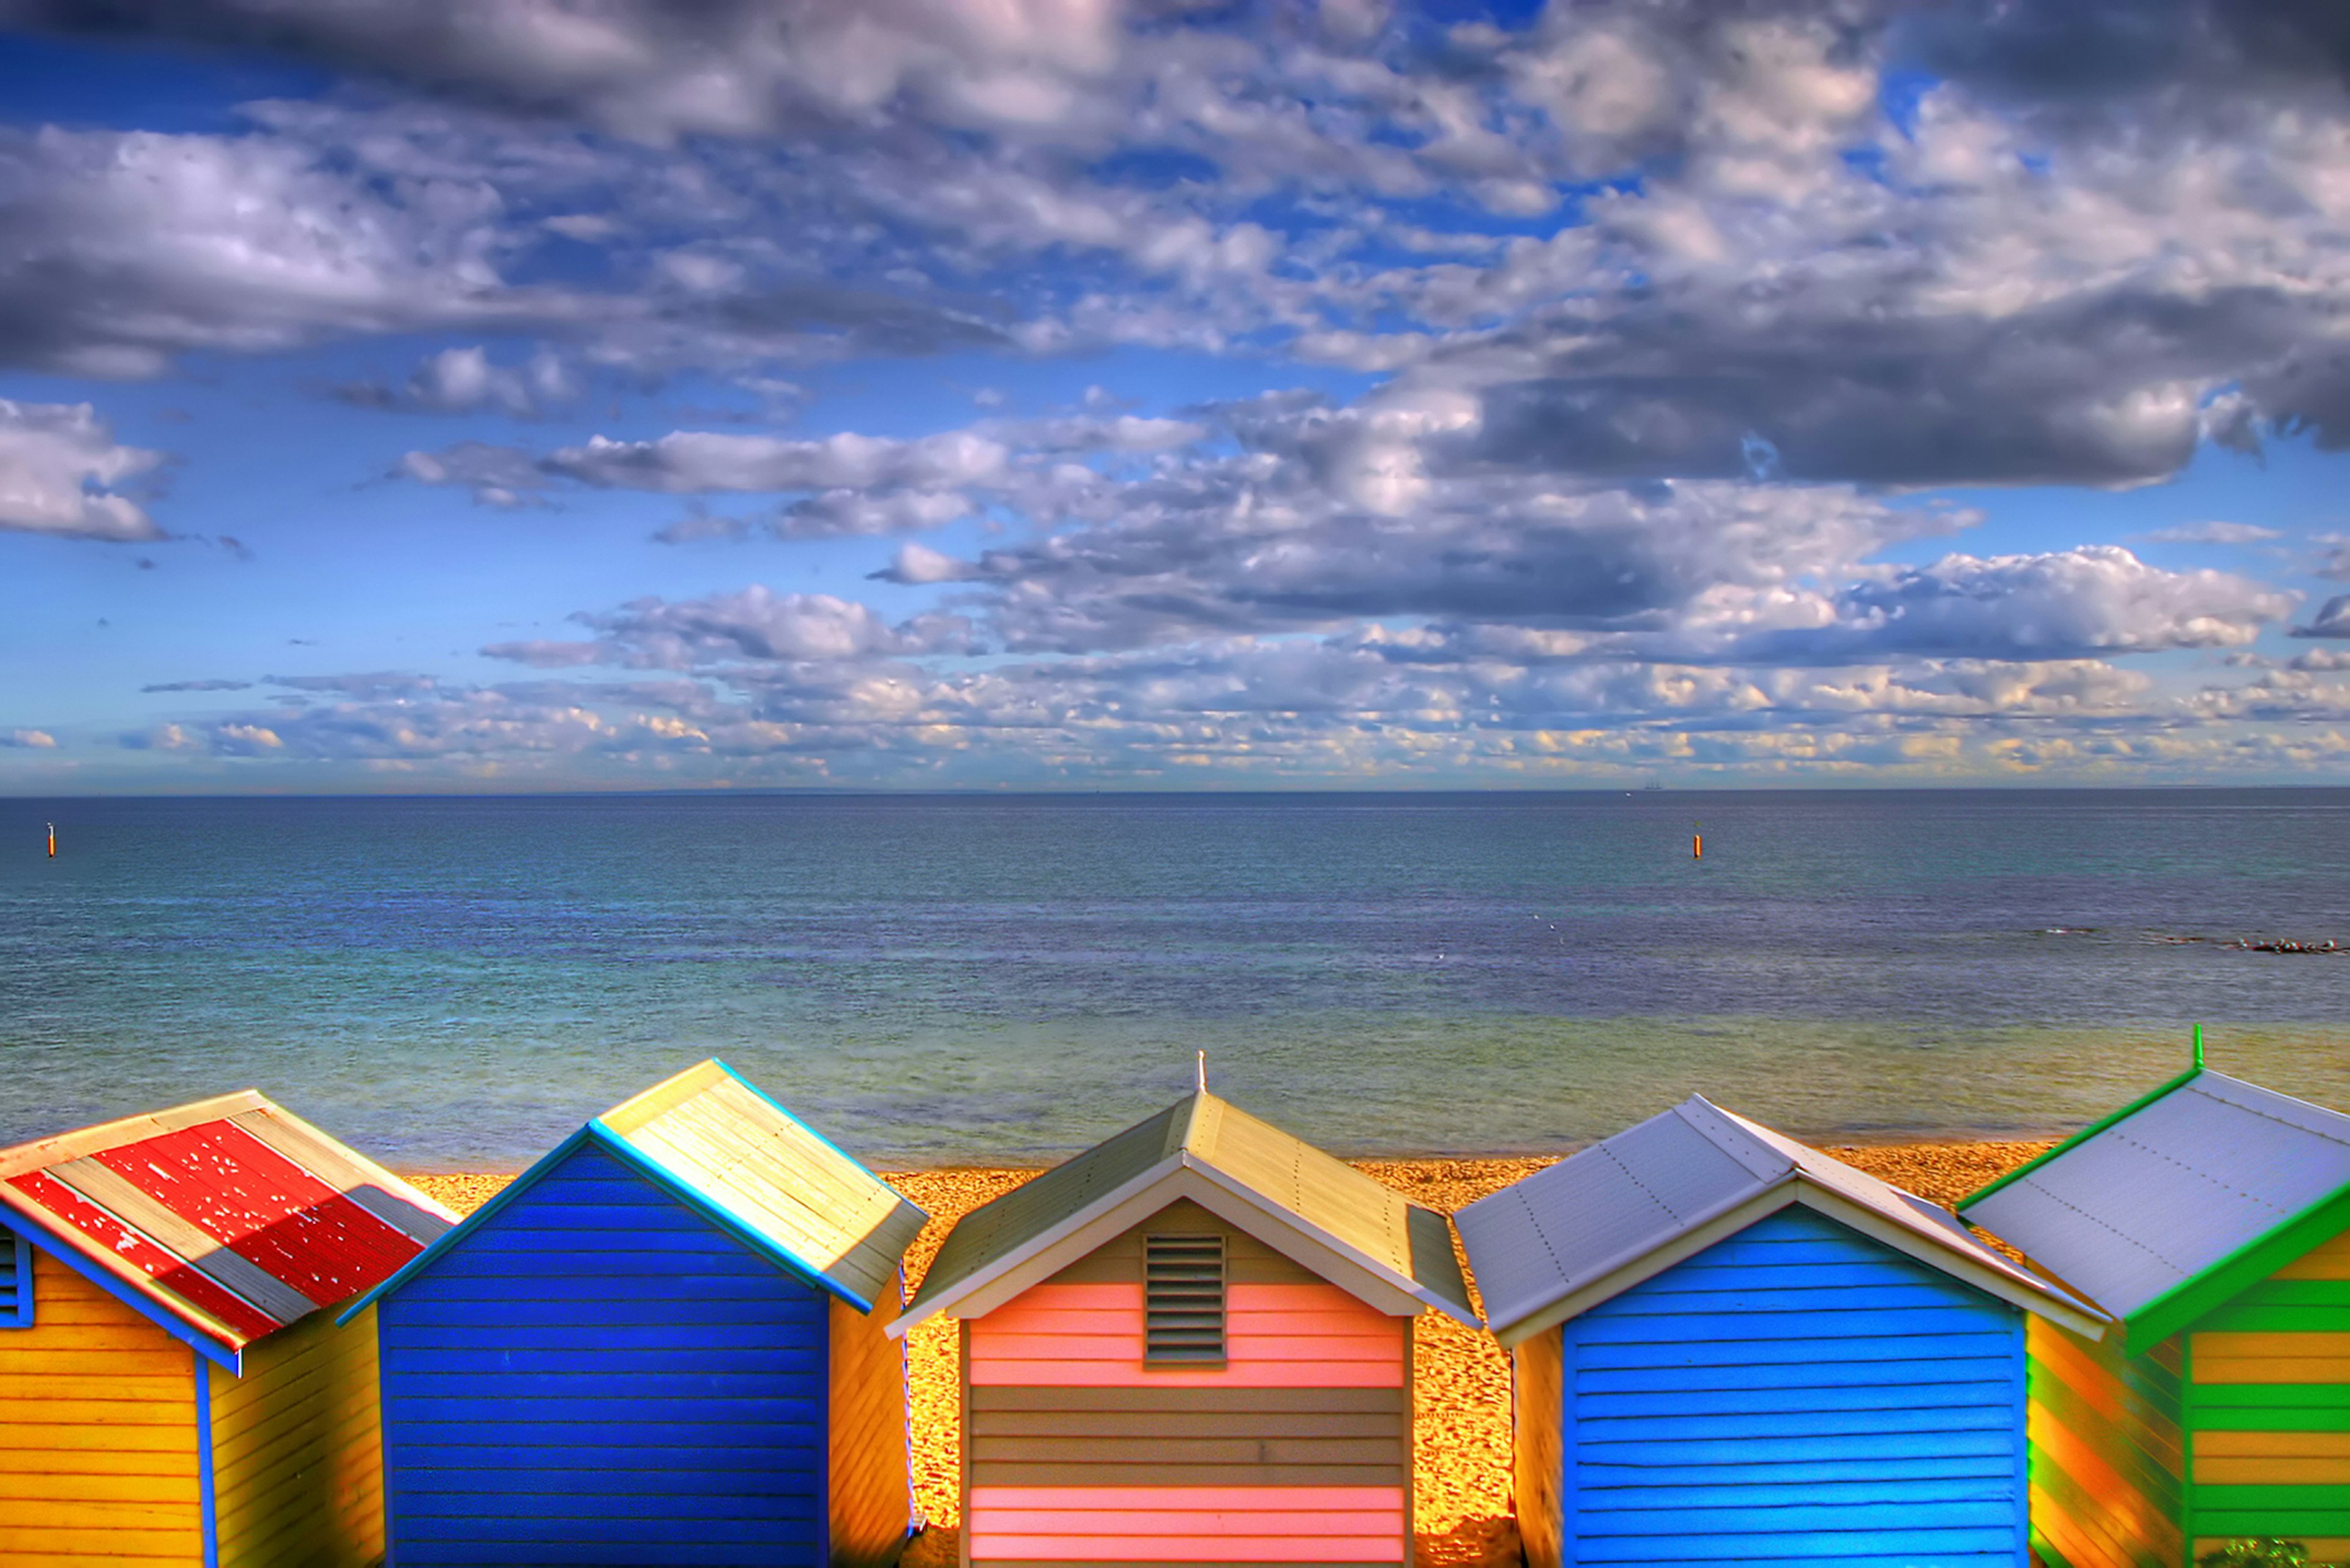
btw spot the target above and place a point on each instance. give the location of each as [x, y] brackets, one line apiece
[1319, 1193]
[233, 1215]
[1600, 1211]
[710, 1130]
[2156, 1198]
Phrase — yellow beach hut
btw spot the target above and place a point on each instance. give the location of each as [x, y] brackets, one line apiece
[172, 1390]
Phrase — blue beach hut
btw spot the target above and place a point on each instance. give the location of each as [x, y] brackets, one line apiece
[663, 1345]
[1729, 1347]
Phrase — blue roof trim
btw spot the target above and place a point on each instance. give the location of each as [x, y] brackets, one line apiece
[611, 1143]
[721, 1215]
[154, 1311]
[505, 1195]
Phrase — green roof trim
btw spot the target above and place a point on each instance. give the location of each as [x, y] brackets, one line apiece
[2248, 1265]
[2083, 1136]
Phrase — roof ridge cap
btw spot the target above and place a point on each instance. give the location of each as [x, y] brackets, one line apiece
[1730, 1132]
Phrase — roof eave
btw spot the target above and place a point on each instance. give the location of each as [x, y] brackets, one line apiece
[538, 1170]
[2197, 1296]
[919, 1310]
[722, 1214]
[1643, 1262]
[223, 1350]
[1407, 1283]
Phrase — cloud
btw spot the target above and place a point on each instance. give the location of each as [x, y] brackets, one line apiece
[2332, 620]
[459, 381]
[501, 476]
[2214, 533]
[61, 474]
[211, 685]
[30, 740]
[755, 624]
[2095, 599]
[132, 247]
[654, 70]
[700, 463]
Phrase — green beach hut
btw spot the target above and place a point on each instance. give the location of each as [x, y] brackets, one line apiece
[2212, 1219]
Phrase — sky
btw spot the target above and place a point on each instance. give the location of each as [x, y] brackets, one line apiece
[452, 395]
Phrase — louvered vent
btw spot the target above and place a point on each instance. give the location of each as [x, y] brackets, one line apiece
[1183, 1298]
[15, 1281]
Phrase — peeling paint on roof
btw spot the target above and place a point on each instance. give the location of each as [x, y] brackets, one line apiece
[232, 1214]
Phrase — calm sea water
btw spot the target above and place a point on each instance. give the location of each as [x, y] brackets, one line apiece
[456, 983]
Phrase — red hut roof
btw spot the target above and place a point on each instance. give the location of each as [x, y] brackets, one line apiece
[233, 1216]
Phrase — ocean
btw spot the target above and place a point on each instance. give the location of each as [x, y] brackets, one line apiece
[455, 983]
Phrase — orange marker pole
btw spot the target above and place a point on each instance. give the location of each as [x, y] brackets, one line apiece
[52, 841]
[1696, 846]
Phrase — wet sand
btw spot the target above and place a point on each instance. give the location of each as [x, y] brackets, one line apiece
[1461, 1485]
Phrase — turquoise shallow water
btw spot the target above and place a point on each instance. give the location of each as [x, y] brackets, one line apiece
[455, 983]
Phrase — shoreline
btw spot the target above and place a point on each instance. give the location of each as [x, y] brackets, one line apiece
[1461, 1480]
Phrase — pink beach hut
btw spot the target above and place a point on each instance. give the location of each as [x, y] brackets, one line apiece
[1191, 1344]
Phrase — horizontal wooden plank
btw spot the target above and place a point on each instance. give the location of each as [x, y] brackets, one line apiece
[2271, 1369]
[1240, 1346]
[1242, 1498]
[405, 1344]
[1735, 1348]
[72, 1436]
[167, 1489]
[1076, 1426]
[1795, 1447]
[411, 1440]
[1812, 1546]
[618, 1506]
[1861, 1422]
[1248, 1375]
[1601, 1515]
[2273, 1469]
[1188, 1461]
[1253, 1548]
[1859, 1470]
[128, 1414]
[992, 1472]
[618, 1379]
[1971, 1394]
[2270, 1346]
[985, 1525]
[1202, 1398]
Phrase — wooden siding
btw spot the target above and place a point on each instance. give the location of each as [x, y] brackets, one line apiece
[1297, 1449]
[1537, 1390]
[1796, 1394]
[98, 1434]
[596, 1375]
[297, 1456]
[2108, 1461]
[871, 1485]
[2268, 1409]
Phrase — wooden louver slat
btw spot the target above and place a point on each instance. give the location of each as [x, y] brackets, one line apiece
[15, 1280]
[1183, 1298]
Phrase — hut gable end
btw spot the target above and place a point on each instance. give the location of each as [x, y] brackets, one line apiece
[617, 1362]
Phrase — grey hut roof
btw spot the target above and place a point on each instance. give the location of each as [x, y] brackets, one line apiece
[2173, 1204]
[1597, 1223]
[1364, 1222]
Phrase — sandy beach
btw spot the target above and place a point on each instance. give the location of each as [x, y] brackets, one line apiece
[1461, 1486]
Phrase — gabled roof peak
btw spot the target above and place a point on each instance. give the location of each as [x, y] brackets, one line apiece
[1572, 1235]
[1362, 1219]
[719, 1144]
